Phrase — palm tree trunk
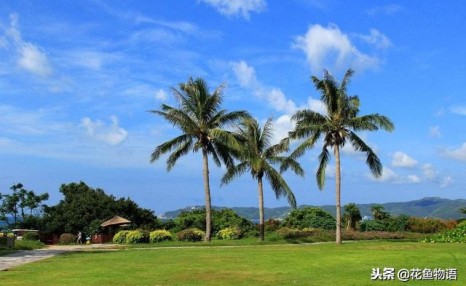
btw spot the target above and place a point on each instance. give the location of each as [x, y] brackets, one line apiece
[208, 212]
[260, 190]
[337, 190]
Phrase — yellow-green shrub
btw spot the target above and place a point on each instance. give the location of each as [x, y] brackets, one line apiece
[120, 237]
[160, 235]
[229, 233]
[190, 234]
[137, 236]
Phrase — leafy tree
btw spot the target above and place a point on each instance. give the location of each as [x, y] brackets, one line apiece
[463, 210]
[379, 213]
[222, 219]
[85, 208]
[201, 121]
[257, 155]
[338, 126]
[309, 217]
[352, 216]
[18, 203]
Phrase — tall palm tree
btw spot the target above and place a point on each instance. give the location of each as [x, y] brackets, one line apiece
[338, 126]
[201, 122]
[258, 156]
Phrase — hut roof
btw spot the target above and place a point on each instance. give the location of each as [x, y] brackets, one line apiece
[116, 220]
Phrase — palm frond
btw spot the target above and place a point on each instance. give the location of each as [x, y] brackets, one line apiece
[279, 185]
[169, 145]
[323, 162]
[182, 150]
[372, 160]
[234, 172]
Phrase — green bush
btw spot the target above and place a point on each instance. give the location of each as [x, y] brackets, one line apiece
[272, 224]
[457, 235]
[309, 217]
[293, 233]
[67, 238]
[190, 234]
[160, 235]
[427, 225]
[372, 225]
[28, 244]
[34, 236]
[137, 236]
[230, 233]
[120, 237]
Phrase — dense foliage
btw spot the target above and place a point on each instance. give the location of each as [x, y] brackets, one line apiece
[457, 234]
[221, 219]
[67, 238]
[160, 235]
[309, 217]
[190, 234]
[230, 233]
[84, 209]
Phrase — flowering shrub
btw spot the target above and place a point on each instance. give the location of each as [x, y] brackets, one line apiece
[191, 234]
[67, 238]
[137, 236]
[160, 235]
[230, 233]
[292, 233]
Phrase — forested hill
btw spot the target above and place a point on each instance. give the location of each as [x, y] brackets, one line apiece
[426, 207]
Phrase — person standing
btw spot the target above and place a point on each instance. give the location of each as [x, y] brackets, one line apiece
[80, 237]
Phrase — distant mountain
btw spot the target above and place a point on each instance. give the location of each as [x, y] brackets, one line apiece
[426, 207]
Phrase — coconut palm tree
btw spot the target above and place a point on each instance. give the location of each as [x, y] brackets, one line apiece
[338, 126]
[257, 155]
[352, 216]
[379, 213]
[201, 122]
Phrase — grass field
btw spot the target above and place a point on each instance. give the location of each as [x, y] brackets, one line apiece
[313, 264]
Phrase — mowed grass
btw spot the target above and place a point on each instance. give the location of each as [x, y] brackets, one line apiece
[312, 264]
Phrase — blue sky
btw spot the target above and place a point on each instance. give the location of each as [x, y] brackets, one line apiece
[77, 78]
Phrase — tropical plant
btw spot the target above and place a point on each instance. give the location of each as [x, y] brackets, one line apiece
[309, 217]
[201, 121]
[160, 235]
[190, 234]
[337, 126]
[257, 155]
[230, 233]
[379, 213]
[352, 216]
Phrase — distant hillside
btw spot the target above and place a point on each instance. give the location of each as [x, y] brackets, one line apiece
[426, 207]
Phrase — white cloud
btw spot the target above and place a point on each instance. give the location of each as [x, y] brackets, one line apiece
[401, 159]
[461, 110]
[237, 7]
[30, 57]
[457, 154]
[316, 105]
[281, 127]
[245, 74]
[413, 179]
[97, 130]
[161, 95]
[278, 100]
[446, 181]
[388, 175]
[377, 39]
[328, 47]
[428, 171]
[435, 131]
[387, 9]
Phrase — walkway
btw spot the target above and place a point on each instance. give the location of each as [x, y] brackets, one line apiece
[26, 256]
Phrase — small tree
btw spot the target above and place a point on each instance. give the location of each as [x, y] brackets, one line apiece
[379, 213]
[18, 203]
[352, 216]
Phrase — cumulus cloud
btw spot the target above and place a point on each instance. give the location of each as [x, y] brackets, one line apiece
[387, 10]
[401, 159]
[237, 7]
[429, 171]
[161, 95]
[98, 130]
[390, 176]
[29, 56]
[328, 47]
[458, 153]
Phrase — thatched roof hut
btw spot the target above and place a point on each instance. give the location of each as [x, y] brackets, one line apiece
[115, 221]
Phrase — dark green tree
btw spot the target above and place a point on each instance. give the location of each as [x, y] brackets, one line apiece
[258, 156]
[309, 217]
[84, 209]
[352, 216]
[202, 121]
[337, 127]
[379, 213]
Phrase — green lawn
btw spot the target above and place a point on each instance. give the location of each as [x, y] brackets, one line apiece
[313, 264]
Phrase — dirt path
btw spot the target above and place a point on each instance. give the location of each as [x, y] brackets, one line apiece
[26, 256]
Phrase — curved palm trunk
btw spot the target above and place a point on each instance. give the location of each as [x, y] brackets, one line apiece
[260, 190]
[208, 212]
[338, 190]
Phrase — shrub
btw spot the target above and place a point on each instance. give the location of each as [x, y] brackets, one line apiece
[67, 238]
[309, 217]
[160, 235]
[457, 234]
[230, 233]
[272, 224]
[31, 236]
[137, 236]
[120, 237]
[191, 234]
[426, 225]
[372, 225]
[28, 244]
[293, 233]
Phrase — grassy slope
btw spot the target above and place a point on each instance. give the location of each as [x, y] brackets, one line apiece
[317, 264]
